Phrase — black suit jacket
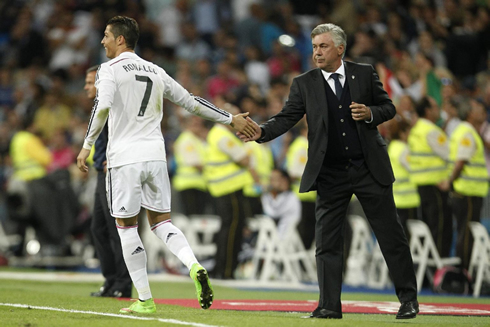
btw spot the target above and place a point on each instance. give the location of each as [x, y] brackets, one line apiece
[307, 96]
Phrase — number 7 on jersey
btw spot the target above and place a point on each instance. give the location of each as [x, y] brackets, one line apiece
[146, 97]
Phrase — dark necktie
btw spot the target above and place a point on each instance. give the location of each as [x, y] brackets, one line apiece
[338, 86]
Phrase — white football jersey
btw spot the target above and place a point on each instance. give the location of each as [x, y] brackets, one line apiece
[130, 93]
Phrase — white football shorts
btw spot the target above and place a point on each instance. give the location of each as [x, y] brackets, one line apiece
[142, 184]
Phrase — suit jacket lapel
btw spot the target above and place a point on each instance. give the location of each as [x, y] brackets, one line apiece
[353, 79]
[318, 87]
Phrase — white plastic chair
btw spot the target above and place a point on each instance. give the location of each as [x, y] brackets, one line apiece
[480, 256]
[365, 264]
[424, 251]
[302, 263]
[361, 247]
[155, 248]
[6, 241]
[206, 226]
[378, 276]
[280, 259]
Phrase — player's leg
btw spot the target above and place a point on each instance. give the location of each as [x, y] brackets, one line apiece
[124, 199]
[155, 198]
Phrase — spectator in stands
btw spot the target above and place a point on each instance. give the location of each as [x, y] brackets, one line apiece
[63, 154]
[52, 115]
[256, 69]
[192, 48]
[27, 45]
[281, 203]
[223, 82]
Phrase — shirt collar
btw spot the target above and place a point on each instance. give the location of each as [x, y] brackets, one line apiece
[126, 54]
[340, 71]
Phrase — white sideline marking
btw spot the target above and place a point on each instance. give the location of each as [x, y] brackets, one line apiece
[170, 321]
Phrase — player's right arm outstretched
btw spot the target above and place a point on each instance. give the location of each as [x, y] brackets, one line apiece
[205, 109]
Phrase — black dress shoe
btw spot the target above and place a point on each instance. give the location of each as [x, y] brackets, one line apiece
[103, 291]
[408, 310]
[118, 293]
[325, 314]
[120, 290]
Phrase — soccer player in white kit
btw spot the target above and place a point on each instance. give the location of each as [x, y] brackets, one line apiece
[130, 93]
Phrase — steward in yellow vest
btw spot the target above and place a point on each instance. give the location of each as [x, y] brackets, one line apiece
[405, 193]
[226, 172]
[30, 156]
[429, 151]
[190, 152]
[226, 164]
[30, 159]
[261, 165]
[296, 158]
[469, 176]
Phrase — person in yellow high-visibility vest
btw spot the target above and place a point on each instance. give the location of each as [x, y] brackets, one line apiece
[407, 198]
[30, 159]
[261, 165]
[469, 175]
[296, 158]
[226, 172]
[429, 151]
[190, 151]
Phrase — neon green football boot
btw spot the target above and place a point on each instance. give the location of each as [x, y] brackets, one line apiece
[147, 306]
[204, 290]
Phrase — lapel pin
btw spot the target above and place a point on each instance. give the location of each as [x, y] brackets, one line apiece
[353, 77]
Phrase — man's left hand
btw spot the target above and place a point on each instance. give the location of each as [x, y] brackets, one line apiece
[82, 160]
[360, 111]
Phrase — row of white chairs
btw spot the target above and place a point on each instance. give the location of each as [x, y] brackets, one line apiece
[274, 258]
[424, 254]
[287, 259]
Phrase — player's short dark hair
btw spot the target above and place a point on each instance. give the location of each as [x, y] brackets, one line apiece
[127, 27]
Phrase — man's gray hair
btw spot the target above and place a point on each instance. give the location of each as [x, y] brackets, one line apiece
[338, 35]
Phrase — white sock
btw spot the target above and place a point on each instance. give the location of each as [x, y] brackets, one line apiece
[135, 258]
[175, 241]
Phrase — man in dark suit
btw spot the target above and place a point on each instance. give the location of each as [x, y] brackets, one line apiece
[344, 102]
[117, 282]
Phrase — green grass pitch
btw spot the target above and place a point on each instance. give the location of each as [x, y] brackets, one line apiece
[93, 312]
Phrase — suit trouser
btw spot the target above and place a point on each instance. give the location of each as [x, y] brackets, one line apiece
[335, 189]
[405, 214]
[436, 213]
[230, 208]
[107, 242]
[306, 226]
[466, 209]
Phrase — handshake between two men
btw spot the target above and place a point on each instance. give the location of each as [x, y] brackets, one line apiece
[247, 129]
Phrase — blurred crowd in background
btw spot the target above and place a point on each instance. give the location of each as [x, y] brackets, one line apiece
[235, 53]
